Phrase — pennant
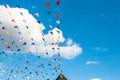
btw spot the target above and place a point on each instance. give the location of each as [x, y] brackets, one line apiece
[58, 2]
[3, 28]
[27, 27]
[10, 37]
[24, 43]
[58, 31]
[51, 32]
[58, 21]
[5, 6]
[2, 39]
[18, 50]
[8, 47]
[53, 49]
[7, 32]
[57, 15]
[47, 4]
[26, 67]
[41, 28]
[13, 20]
[52, 39]
[33, 43]
[21, 13]
[16, 46]
[22, 39]
[19, 33]
[43, 39]
[59, 70]
[55, 65]
[52, 43]
[50, 26]
[24, 20]
[29, 32]
[58, 40]
[58, 27]
[1, 23]
[11, 71]
[16, 27]
[8, 78]
[48, 12]
[32, 39]
[47, 53]
[36, 14]
[10, 13]
[27, 48]
[38, 22]
[13, 42]
[42, 33]
[58, 49]
[5, 43]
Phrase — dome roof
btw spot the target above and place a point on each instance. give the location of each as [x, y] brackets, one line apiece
[61, 77]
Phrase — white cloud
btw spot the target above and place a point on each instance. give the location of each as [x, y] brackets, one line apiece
[92, 62]
[95, 79]
[69, 42]
[99, 49]
[20, 32]
[70, 51]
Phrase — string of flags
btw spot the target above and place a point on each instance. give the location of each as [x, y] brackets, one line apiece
[28, 70]
[23, 69]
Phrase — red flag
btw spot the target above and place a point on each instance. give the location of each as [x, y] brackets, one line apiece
[8, 46]
[47, 4]
[58, 15]
[24, 20]
[3, 28]
[58, 2]
[13, 20]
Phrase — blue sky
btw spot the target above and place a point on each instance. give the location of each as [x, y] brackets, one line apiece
[95, 25]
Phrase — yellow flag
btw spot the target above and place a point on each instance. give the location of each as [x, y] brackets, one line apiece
[5, 43]
[58, 40]
[41, 28]
[10, 13]
[27, 48]
[29, 32]
[59, 70]
[52, 39]
[54, 65]
[7, 32]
